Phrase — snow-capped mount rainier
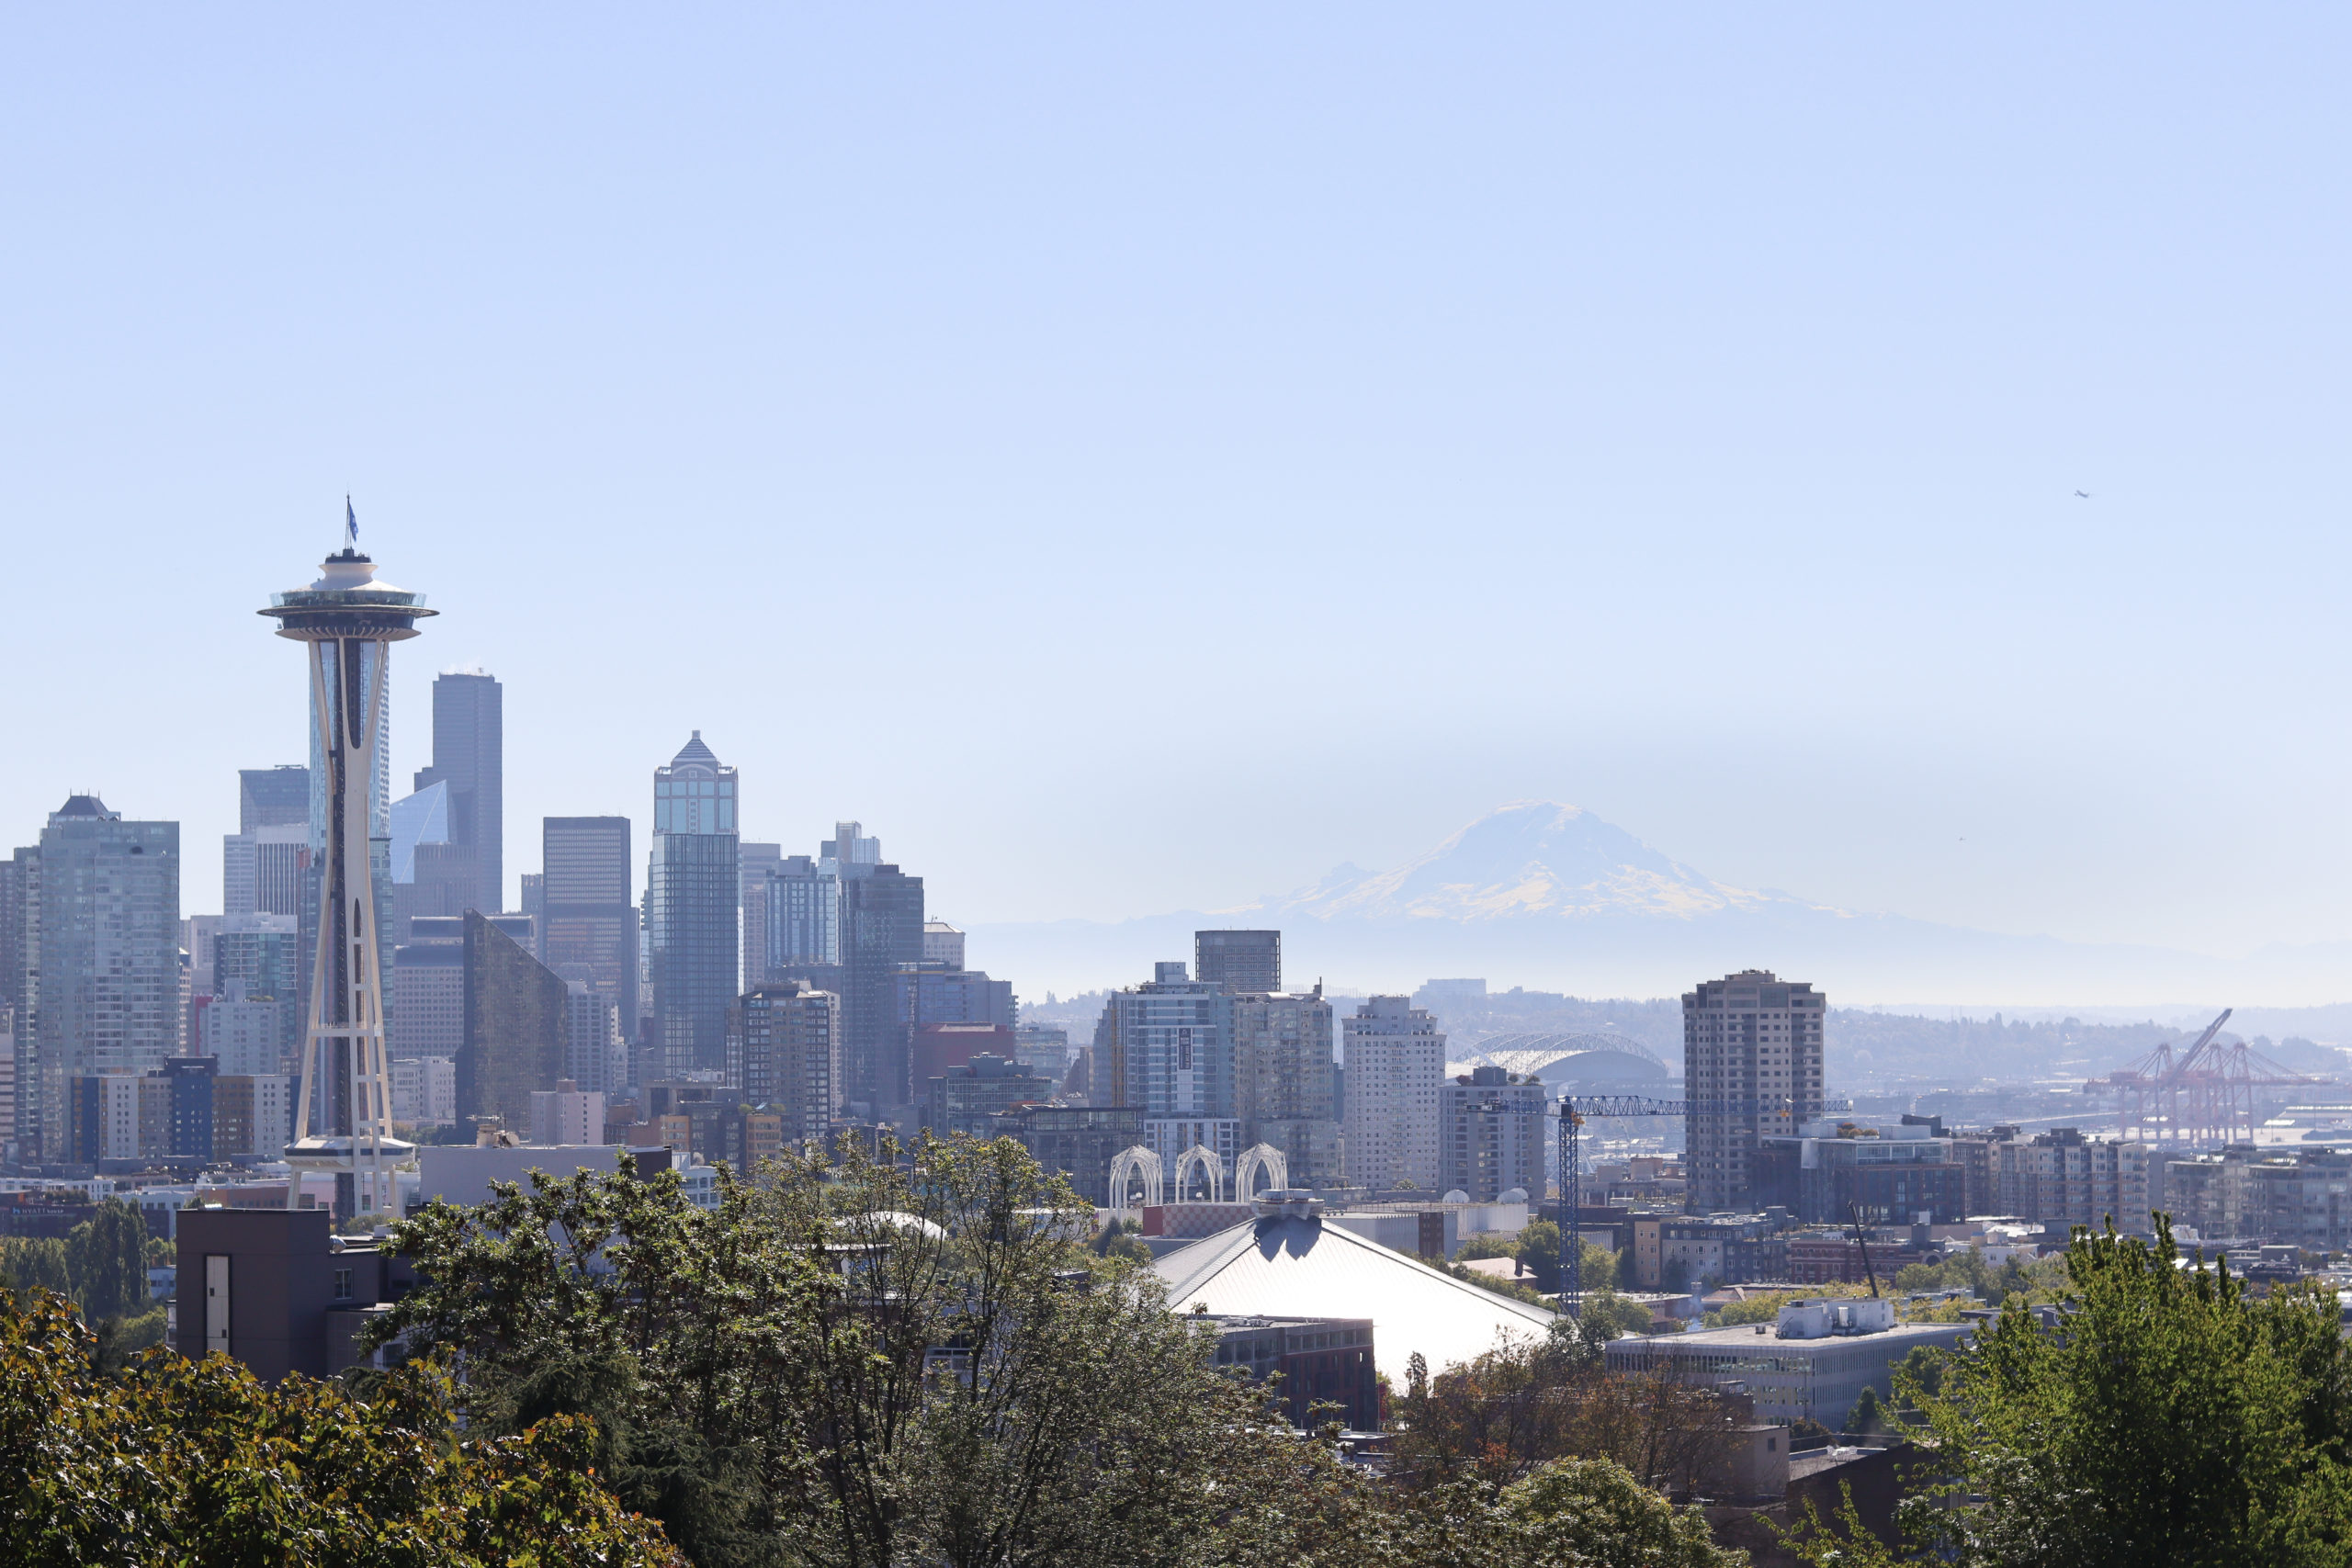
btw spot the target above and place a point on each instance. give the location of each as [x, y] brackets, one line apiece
[1550, 896]
[1530, 858]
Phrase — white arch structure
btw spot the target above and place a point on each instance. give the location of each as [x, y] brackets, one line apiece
[1255, 1158]
[1201, 1154]
[1136, 1162]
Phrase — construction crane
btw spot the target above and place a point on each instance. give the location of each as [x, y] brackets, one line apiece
[1862, 1240]
[2204, 1095]
[1575, 1109]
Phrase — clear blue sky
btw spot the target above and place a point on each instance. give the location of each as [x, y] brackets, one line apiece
[1137, 457]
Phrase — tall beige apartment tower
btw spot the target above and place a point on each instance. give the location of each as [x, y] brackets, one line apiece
[1396, 1062]
[1751, 1069]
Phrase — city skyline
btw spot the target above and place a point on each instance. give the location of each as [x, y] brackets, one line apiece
[1728, 493]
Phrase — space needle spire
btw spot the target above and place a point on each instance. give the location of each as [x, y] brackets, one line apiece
[350, 621]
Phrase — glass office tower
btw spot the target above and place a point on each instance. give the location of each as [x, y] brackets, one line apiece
[693, 894]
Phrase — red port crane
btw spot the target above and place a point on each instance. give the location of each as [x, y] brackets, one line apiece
[2200, 1096]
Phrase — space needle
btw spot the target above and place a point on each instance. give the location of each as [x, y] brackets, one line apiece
[350, 621]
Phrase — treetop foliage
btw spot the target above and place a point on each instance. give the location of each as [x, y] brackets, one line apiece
[174, 1461]
[2168, 1418]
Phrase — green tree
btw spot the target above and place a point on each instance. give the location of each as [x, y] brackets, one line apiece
[1600, 1267]
[1539, 1253]
[1573, 1513]
[1613, 1316]
[2169, 1420]
[35, 1263]
[1866, 1415]
[1965, 1269]
[1526, 1403]
[854, 1362]
[178, 1461]
[1488, 1244]
[1594, 1514]
[1502, 1285]
[106, 1256]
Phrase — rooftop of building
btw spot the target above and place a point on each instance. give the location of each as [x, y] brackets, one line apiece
[1746, 1335]
[1289, 1264]
[695, 752]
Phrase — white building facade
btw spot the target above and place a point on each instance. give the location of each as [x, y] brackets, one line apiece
[424, 1089]
[1395, 1062]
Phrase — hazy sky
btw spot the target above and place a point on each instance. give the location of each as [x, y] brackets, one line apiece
[1139, 457]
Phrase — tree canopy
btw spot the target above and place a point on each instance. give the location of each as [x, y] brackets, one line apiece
[174, 1461]
[2165, 1418]
[856, 1361]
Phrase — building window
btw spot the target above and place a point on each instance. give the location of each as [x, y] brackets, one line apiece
[342, 1284]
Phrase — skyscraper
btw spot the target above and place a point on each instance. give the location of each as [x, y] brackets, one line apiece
[469, 757]
[1240, 961]
[256, 956]
[693, 889]
[846, 854]
[799, 901]
[1172, 1042]
[261, 869]
[1281, 1070]
[519, 1026]
[264, 860]
[927, 995]
[787, 1041]
[756, 863]
[1396, 1061]
[19, 985]
[533, 903]
[590, 933]
[1167, 1047]
[343, 1112]
[881, 929]
[428, 988]
[1751, 1066]
[593, 1057]
[272, 798]
[19, 881]
[103, 934]
[1491, 1133]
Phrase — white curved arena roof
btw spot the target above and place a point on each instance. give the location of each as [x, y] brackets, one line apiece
[1544, 1056]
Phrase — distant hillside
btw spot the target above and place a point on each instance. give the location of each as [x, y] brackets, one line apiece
[1550, 895]
[1866, 1050]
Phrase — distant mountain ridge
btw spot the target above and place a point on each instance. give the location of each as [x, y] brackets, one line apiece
[1549, 895]
[1529, 858]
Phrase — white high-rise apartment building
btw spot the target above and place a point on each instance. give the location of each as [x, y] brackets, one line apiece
[1396, 1061]
[424, 1089]
[1751, 1066]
